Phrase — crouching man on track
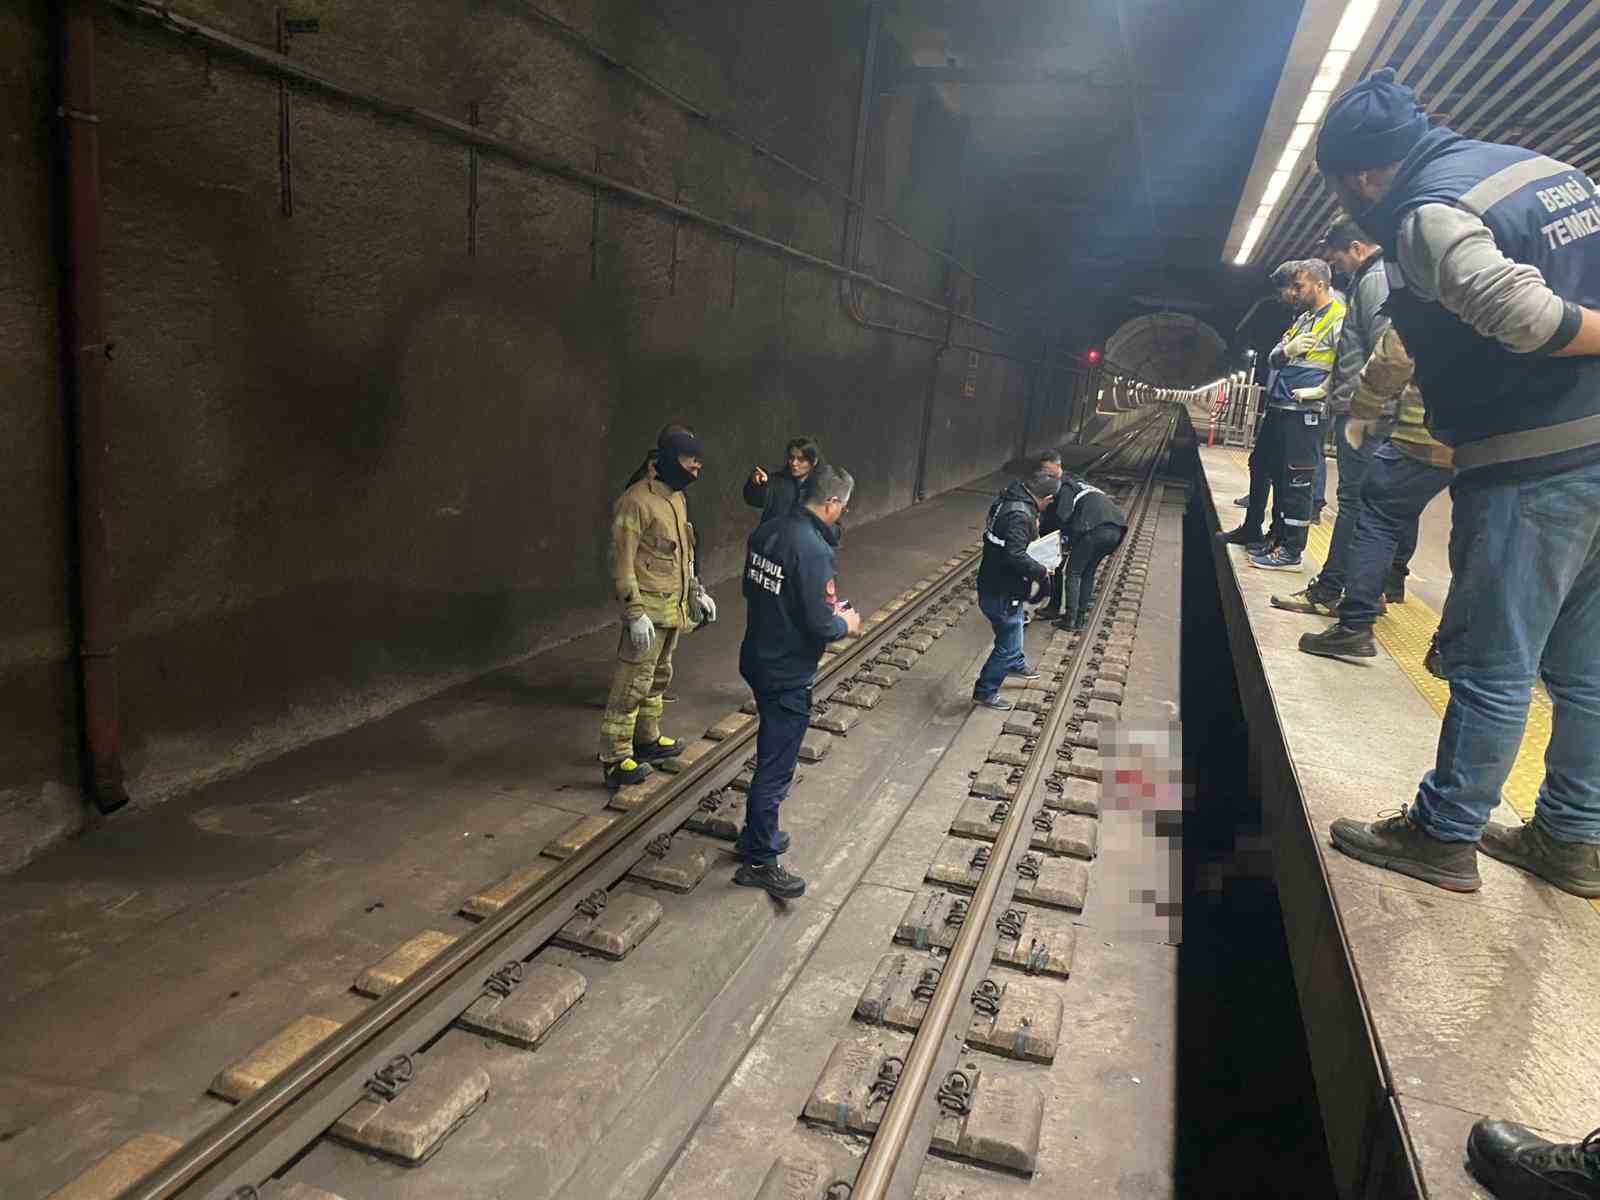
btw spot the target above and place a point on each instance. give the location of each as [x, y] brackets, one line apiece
[793, 612]
[1007, 578]
[652, 569]
[1092, 526]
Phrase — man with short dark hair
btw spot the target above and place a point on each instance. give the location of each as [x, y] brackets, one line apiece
[1347, 250]
[1008, 577]
[1290, 439]
[1494, 283]
[793, 612]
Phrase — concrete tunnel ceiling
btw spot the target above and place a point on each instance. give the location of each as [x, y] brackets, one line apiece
[1107, 142]
[1167, 349]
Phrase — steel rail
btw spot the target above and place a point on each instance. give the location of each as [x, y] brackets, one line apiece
[262, 1133]
[888, 1172]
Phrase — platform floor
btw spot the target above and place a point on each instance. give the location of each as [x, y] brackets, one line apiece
[1424, 1009]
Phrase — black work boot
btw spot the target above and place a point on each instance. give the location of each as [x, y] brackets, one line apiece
[1240, 537]
[1431, 660]
[1572, 866]
[662, 747]
[1340, 641]
[1395, 844]
[785, 885]
[627, 771]
[1515, 1163]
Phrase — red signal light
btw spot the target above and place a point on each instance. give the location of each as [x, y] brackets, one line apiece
[1093, 356]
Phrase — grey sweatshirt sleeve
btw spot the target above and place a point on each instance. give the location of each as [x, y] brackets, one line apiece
[1450, 256]
[1363, 325]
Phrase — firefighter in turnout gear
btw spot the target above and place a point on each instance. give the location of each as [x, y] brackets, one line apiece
[652, 570]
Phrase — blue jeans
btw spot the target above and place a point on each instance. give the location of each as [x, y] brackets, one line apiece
[1524, 602]
[785, 716]
[1353, 467]
[1398, 487]
[1005, 615]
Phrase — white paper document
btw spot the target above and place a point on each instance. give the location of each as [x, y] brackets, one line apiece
[1046, 551]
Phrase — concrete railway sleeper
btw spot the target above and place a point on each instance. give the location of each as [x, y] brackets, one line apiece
[1020, 846]
[366, 1079]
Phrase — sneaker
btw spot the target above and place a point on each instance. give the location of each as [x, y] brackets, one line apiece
[1572, 866]
[1242, 501]
[1307, 601]
[629, 770]
[994, 702]
[1340, 641]
[662, 747]
[1027, 672]
[1430, 660]
[783, 842]
[1515, 1163]
[669, 698]
[1277, 559]
[1240, 537]
[1395, 844]
[785, 885]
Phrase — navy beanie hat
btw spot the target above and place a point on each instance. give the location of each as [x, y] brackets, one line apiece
[1375, 123]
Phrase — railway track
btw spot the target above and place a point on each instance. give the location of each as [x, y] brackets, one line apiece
[348, 1074]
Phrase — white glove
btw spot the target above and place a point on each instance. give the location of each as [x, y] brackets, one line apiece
[1356, 432]
[1319, 392]
[1299, 344]
[702, 608]
[640, 632]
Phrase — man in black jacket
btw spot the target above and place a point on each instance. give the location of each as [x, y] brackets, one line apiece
[1007, 578]
[777, 493]
[793, 613]
[1092, 526]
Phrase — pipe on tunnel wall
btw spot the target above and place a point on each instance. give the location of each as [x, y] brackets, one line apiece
[86, 354]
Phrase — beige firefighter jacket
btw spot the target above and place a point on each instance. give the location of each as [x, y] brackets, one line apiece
[651, 554]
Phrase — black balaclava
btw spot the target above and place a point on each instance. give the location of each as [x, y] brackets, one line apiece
[668, 450]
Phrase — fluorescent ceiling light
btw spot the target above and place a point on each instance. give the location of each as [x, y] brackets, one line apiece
[1353, 25]
[1333, 64]
[1347, 36]
[1316, 104]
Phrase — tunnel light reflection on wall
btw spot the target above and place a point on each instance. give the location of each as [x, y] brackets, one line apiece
[1347, 37]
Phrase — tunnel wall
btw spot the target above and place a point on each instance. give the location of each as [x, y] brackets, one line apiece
[355, 462]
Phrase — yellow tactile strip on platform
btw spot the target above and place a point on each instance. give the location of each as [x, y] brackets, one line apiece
[1405, 631]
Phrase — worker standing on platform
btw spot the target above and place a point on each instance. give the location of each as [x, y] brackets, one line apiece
[652, 570]
[1495, 287]
[777, 493]
[793, 612]
[1406, 472]
[1092, 526]
[1285, 456]
[1009, 577]
[1347, 249]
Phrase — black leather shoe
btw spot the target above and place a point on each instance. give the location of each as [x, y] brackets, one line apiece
[785, 885]
[1515, 1163]
[1340, 641]
[1430, 660]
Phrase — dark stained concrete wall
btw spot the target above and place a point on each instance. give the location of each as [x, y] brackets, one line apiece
[354, 463]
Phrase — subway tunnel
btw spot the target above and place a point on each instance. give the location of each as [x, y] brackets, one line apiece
[336, 331]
